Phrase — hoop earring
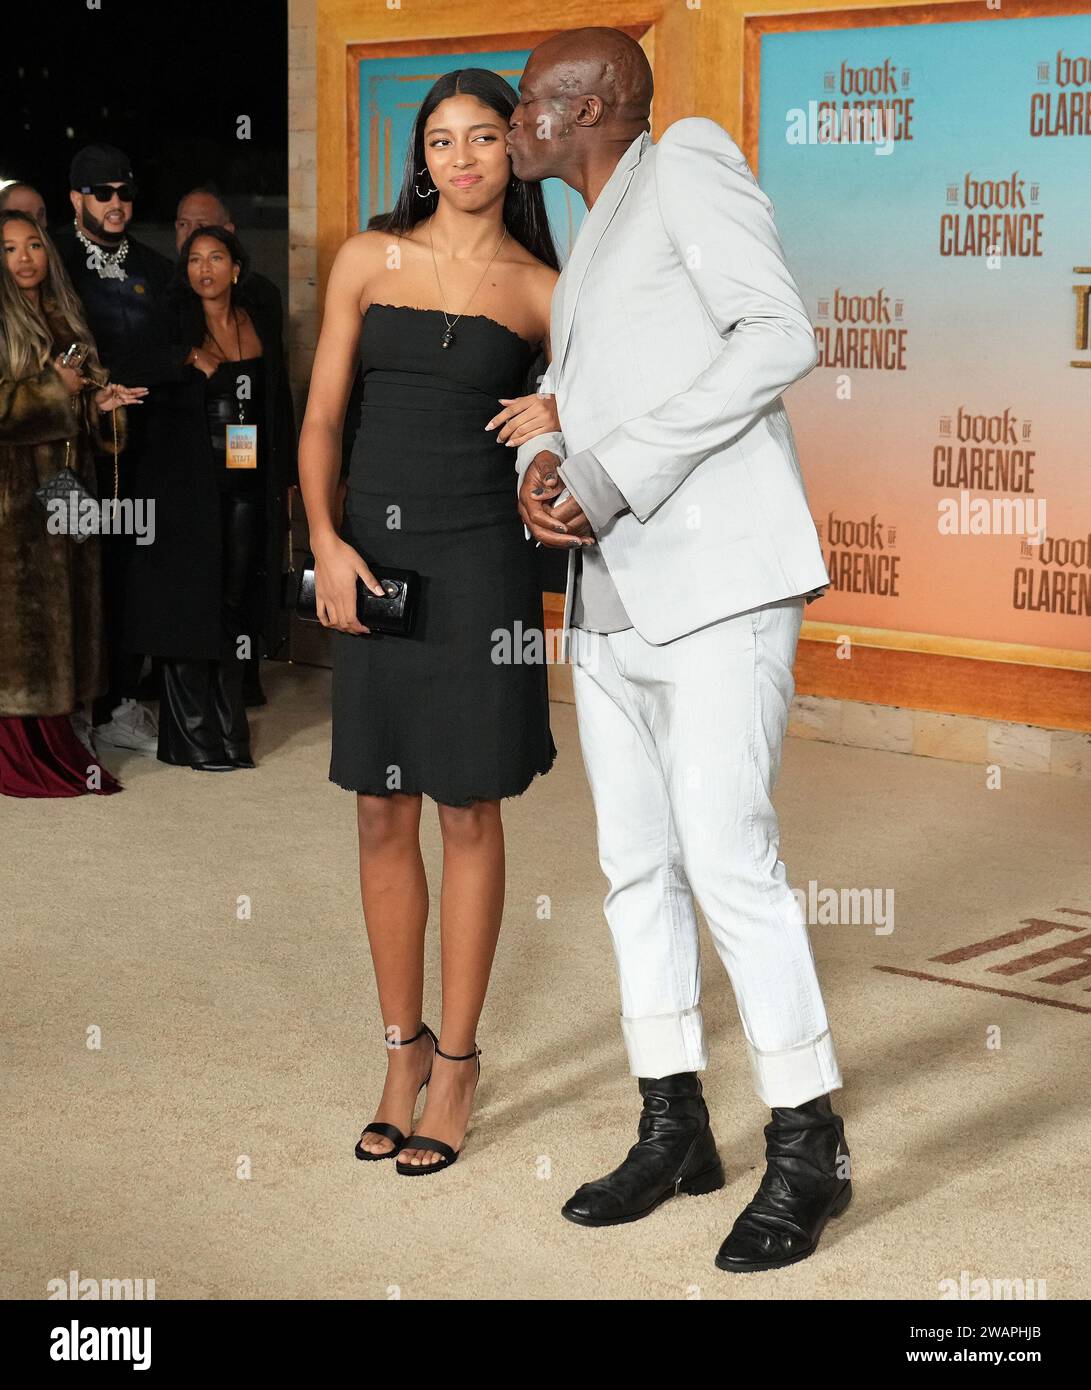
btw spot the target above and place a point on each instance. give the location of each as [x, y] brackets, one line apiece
[417, 191]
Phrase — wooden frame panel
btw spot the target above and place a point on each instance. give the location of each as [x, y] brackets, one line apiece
[701, 78]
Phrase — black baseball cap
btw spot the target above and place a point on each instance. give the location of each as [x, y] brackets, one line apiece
[99, 164]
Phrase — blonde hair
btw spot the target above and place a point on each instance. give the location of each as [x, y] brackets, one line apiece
[27, 337]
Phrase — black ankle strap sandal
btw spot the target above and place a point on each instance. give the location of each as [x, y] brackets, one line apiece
[447, 1155]
[392, 1132]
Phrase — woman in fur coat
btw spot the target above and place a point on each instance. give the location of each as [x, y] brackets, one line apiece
[51, 416]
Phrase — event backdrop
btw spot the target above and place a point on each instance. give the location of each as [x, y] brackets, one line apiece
[948, 281]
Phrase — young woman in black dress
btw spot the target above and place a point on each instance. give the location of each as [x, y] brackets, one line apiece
[443, 308]
[195, 597]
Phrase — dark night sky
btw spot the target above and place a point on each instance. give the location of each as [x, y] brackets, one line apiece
[164, 81]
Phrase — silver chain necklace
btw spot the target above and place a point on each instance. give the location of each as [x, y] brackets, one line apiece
[107, 263]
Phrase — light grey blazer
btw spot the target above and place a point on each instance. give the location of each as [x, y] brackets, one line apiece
[675, 326]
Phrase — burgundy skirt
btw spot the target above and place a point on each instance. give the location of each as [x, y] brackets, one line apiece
[40, 755]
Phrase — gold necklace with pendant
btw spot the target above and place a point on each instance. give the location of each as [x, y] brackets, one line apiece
[449, 336]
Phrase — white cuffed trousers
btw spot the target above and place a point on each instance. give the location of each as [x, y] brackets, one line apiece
[682, 746]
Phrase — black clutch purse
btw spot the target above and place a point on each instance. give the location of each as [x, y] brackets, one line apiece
[393, 614]
[63, 497]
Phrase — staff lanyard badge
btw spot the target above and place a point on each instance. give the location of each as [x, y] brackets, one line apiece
[242, 446]
[241, 449]
[242, 443]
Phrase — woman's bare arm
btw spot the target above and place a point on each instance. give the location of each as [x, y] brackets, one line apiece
[525, 417]
[337, 565]
[331, 380]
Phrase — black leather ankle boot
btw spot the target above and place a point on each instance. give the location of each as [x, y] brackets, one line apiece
[675, 1153]
[806, 1182]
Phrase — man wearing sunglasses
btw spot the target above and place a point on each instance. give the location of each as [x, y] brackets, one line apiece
[119, 280]
[117, 277]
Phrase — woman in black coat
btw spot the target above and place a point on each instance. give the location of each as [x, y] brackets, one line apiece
[219, 455]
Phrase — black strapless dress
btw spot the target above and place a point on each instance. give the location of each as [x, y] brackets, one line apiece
[459, 711]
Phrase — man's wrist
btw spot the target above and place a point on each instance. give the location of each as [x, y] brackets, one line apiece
[598, 497]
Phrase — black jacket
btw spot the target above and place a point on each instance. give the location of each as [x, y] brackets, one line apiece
[173, 593]
[118, 311]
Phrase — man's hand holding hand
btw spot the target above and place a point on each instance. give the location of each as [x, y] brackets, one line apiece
[561, 527]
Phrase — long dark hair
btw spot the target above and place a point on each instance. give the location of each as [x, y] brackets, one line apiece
[524, 206]
[26, 336]
[191, 313]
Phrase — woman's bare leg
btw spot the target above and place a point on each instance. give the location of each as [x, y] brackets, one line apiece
[394, 893]
[471, 909]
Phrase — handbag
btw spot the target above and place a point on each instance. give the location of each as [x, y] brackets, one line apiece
[394, 613]
[63, 497]
[68, 489]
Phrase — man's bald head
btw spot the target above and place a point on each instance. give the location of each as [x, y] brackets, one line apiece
[603, 62]
[23, 197]
[585, 95]
[200, 207]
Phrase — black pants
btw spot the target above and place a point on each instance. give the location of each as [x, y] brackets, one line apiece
[123, 668]
[202, 717]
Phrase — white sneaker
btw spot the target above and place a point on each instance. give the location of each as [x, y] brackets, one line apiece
[84, 730]
[131, 726]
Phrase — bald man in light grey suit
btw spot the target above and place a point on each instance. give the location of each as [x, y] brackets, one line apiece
[675, 484]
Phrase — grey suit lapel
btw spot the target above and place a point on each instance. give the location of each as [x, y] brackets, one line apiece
[568, 287]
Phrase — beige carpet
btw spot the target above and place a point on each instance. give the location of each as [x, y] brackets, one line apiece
[226, 1040]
